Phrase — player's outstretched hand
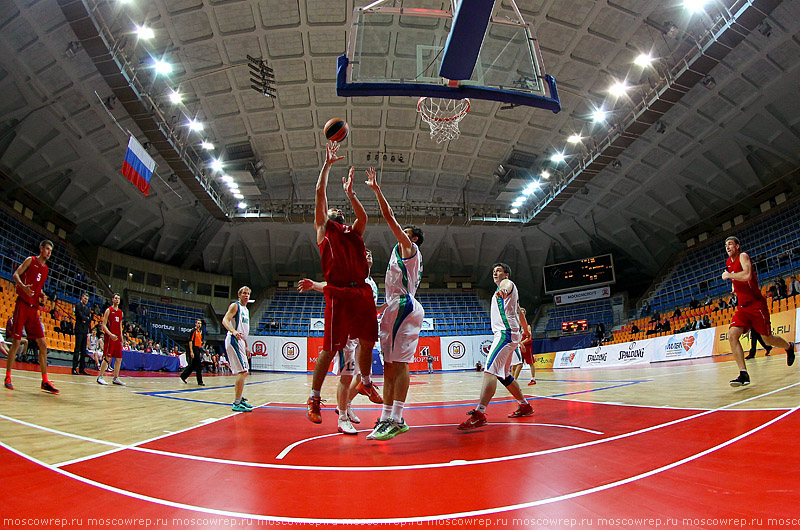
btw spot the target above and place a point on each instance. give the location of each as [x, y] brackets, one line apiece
[347, 182]
[371, 182]
[331, 151]
[305, 285]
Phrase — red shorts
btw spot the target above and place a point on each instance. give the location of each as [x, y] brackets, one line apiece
[112, 349]
[26, 316]
[527, 352]
[349, 312]
[754, 316]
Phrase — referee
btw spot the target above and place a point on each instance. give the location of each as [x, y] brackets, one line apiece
[194, 357]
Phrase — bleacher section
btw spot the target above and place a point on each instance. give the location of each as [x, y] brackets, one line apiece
[773, 243]
[66, 277]
[164, 311]
[288, 314]
[592, 312]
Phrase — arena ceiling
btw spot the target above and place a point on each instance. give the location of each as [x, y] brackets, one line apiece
[719, 144]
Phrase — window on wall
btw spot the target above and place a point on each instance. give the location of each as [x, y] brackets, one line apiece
[187, 286]
[222, 291]
[103, 267]
[153, 280]
[137, 276]
[120, 272]
[204, 289]
[171, 284]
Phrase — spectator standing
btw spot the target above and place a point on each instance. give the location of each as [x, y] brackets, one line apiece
[83, 319]
[194, 355]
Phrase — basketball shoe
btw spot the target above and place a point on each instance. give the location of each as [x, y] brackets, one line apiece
[345, 426]
[476, 419]
[240, 407]
[313, 412]
[101, 381]
[742, 380]
[8, 384]
[522, 411]
[370, 390]
[118, 381]
[47, 387]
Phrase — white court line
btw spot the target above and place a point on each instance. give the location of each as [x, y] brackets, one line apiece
[436, 517]
[295, 444]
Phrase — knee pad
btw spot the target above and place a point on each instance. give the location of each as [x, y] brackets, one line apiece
[507, 380]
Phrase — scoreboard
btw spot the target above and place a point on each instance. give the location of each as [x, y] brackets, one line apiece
[576, 326]
[579, 274]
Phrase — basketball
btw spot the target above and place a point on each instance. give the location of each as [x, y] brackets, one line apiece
[336, 129]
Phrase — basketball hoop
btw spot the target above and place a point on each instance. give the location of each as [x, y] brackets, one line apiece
[443, 116]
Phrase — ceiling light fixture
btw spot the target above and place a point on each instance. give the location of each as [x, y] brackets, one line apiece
[143, 32]
[644, 59]
[175, 97]
[216, 164]
[599, 115]
[195, 125]
[162, 66]
[575, 138]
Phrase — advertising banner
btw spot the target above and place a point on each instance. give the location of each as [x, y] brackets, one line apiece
[427, 345]
[567, 359]
[784, 325]
[284, 354]
[618, 354]
[582, 296]
[544, 361]
[461, 353]
[173, 329]
[690, 345]
[427, 324]
[316, 324]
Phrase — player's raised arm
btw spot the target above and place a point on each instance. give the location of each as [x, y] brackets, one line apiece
[360, 223]
[406, 247]
[321, 199]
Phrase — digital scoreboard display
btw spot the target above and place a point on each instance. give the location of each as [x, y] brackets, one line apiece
[576, 326]
[579, 274]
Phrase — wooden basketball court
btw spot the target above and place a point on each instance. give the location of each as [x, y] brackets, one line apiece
[669, 445]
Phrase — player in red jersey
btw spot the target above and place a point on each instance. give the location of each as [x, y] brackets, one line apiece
[752, 311]
[112, 343]
[349, 306]
[29, 279]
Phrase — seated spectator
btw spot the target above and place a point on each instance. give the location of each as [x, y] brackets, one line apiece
[666, 326]
[795, 290]
[705, 323]
[677, 313]
[694, 304]
[721, 305]
[708, 301]
[734, 301]
[772, 292]
[656, 317]
[478, 367]
[635, 329]
[20, 354]
[780, 285]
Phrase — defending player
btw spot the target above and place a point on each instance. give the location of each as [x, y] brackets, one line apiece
[237, 322]
[505, 325]
[112, 343]
[751, 312]
[349, 308]
[402, 319]
[29, 279]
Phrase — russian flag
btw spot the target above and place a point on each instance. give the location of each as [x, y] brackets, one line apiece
[138, 166]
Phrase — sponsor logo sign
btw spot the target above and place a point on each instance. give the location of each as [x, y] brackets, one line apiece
[582, 296]
[566, 359]
[290, 351]
[456, 349]
[486, 346]
[258, 348]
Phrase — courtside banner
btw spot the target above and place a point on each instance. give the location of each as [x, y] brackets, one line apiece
[458, 352]
[283, 354]
[568, 359]
[482, 346]
[582, 296]
[690, 345]
[783, 324]
[627, 353]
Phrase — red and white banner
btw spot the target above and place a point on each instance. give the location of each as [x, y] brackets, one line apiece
[690, 345]
[582, 296]
[280, 354]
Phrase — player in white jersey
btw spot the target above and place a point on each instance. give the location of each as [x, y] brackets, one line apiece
[506, 328]
[402, 319]
[237, 322]
[344, 362]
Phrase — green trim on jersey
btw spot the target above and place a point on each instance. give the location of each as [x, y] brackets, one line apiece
[501, 306]
[402, 265]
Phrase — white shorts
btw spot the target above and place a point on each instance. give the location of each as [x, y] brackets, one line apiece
[399, 330]
[498, 362]
[516, 358]
[344, 362]
[237, 357]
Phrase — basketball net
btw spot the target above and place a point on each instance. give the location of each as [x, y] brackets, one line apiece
[443, 116]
